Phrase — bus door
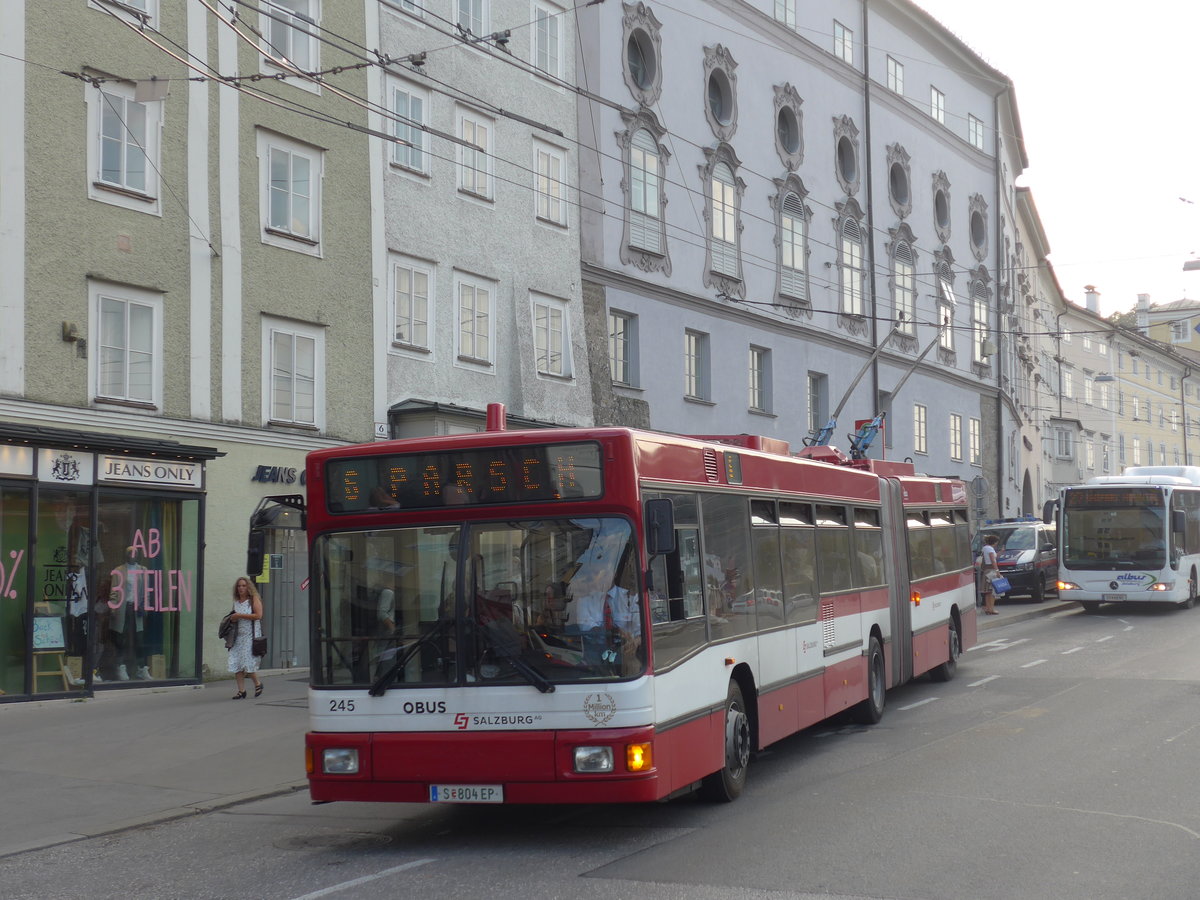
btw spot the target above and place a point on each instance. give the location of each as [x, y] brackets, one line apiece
[895, 557]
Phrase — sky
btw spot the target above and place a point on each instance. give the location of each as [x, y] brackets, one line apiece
[1104, 93]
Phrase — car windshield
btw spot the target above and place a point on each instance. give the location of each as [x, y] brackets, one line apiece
[1018, 539]
[536, 602]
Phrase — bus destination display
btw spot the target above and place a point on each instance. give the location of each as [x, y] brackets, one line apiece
[1115, 498]
[492, 475]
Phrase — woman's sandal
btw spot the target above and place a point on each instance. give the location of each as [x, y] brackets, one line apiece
[240, 695]
[258, 689]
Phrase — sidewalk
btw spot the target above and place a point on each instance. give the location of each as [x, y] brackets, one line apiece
[81, 768]
[1018, 609]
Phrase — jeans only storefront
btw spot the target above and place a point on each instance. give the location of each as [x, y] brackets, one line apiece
[101, 555]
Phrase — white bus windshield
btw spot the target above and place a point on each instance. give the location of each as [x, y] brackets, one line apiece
[539, 602]
[1123, 528]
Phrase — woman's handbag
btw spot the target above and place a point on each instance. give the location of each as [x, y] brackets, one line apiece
[1000, 585]
[258, 645]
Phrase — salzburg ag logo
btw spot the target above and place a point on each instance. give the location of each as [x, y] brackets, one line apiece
[461, 720]
[65, 468]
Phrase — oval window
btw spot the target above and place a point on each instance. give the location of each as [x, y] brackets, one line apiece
[978, 230]
[640, 57]
[941, 209]
[788, 130]
[898, 182]
[720, 97]
[847, 161]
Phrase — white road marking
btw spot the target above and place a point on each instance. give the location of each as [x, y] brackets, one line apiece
[1072, 650]
[998, 641]
[1182, 733]
[1030, 665]
[983, 681]
[355, 882]
[1005, 645]
[1129, 628]
[1103, 639]
[918, 703]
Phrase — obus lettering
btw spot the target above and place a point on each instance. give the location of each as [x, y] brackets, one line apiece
[421, 707]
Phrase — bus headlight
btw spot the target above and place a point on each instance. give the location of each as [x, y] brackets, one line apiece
[339, 761]
[593, 759]
[639, 757]
[1068, 586]
[1163, 586]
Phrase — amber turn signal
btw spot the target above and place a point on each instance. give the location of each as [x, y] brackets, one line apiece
[639, 757]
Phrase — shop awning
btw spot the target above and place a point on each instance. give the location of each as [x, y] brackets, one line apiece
[104, 442]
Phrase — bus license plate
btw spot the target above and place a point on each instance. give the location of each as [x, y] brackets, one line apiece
[1112, 597]
[466, 793]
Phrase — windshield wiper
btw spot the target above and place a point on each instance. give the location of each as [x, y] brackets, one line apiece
[379, 688]
[506, 643]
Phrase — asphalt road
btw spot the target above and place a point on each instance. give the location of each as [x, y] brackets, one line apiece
[1060, 763]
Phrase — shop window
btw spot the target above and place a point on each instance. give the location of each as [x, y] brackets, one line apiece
[147, 589]
[63, 586]
[15, 566]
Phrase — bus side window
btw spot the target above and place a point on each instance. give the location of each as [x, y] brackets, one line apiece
[675, 579]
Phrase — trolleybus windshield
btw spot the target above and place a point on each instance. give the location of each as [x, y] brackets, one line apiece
[537, 601]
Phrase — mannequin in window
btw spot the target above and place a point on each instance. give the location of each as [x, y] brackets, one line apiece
[129, 617]
[82, 551]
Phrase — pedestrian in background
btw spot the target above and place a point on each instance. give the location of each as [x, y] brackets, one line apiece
[989, 569]
[247, 615]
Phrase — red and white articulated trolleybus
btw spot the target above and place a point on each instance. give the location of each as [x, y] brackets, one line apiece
[590, 615]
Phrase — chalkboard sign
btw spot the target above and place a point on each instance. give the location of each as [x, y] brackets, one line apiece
[48, 633]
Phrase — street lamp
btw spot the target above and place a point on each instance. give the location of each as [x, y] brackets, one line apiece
[1107, 378]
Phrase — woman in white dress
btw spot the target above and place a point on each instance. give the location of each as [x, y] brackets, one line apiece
[247, 615]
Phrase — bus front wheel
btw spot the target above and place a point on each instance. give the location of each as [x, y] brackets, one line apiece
[726, 784]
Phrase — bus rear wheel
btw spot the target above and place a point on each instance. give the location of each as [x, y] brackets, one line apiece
[870, 710]
[946, 670]
[727, 783]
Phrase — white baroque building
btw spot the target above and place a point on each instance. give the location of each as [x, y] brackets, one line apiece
[767, 190]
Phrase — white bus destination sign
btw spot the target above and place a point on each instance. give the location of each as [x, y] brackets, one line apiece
[170, 473]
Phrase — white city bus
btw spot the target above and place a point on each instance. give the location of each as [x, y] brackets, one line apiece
[1131, 538]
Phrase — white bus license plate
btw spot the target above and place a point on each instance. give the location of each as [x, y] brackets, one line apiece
[1112, 597]
[466, 793]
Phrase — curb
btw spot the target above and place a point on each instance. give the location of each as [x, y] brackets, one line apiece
[1042, 609]
[157, 818]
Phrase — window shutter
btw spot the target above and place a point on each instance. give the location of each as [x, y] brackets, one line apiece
[791, 280]
[645, 230]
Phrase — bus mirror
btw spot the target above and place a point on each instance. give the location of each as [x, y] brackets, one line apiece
[1178, 521]
[255, 549]
[1049, 508]
[660, 526]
